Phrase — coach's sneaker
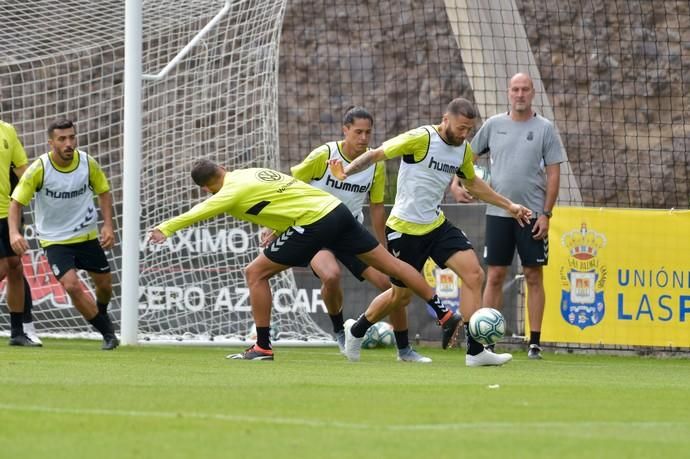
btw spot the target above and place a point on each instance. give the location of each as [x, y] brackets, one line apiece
[30, 331]
[23, 340]
[340, 339]
[410, 355]
[353, 346]
[487, 358]
[449, 327]
[534, 352]
[110, 342]
[252, 353]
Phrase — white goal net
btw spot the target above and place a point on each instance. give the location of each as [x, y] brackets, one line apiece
[66, 59]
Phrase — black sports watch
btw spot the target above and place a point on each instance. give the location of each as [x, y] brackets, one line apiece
[547, 213]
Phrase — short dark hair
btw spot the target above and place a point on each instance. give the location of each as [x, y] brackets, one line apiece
[61, 123]
[461, 106]
[356, 112]
[204, 171]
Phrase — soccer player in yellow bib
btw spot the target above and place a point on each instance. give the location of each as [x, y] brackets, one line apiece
[63, 181]
[354, 192]
[417, 229]
[306, 220]
[11, 264]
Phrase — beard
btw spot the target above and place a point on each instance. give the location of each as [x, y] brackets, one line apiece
[453, 139]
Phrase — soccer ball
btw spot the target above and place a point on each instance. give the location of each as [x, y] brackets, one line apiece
[487, 326]
[386, 335]
[379, 335]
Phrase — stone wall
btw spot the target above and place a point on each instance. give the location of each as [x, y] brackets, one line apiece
[617, 73]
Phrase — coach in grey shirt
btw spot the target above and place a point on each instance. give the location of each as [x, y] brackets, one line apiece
[524, 157]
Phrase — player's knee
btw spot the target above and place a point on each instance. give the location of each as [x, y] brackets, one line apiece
[331, 278]
[493, 281]
[104, 284]
[248, 272]
[401, 297]
[253, 273]
[533, 277]
[72, 287]
[474, 278]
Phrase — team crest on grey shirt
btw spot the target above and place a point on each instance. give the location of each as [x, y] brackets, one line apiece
[530, 135]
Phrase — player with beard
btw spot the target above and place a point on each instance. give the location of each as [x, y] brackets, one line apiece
[64, 182]
[417, 229]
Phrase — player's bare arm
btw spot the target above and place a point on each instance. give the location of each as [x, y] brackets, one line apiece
[358, 165]
[377, 212]
[459, 193]
[105, 202]
[17, 241]
[479, 188]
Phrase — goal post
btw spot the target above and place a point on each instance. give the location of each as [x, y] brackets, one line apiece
[200, 82]
[131, 203]
[203, 292]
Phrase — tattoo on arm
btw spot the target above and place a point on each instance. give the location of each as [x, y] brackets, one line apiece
[359, 164]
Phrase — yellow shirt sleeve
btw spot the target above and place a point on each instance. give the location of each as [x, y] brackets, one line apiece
[466, 169]
[97, 178]
[314, 165]
[378, 187]
[414, 143]
[11, 151]
[18, 154]
[211, 207]
[31, 181]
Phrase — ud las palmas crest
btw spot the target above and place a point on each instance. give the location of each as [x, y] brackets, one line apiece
[583, 279]
[446, 284]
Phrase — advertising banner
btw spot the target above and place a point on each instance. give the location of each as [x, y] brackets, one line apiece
[618, 277]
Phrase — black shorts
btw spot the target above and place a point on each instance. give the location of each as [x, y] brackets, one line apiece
[5, 247]
[337, 231]
[504, 235]
[440, 244]
[87, 255]
[352, 263]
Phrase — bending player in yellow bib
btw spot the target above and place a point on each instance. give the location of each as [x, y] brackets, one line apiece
[307, 220]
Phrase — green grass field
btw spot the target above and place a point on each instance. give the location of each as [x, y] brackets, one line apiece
[71, 400]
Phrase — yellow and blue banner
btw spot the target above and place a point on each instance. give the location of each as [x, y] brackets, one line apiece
[618, 277]
[445, 283]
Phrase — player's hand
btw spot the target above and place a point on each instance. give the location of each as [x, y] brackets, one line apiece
[520, 213]
[19, 244]
[266, 236]
[541, 228]
[156, 236]
[107, 237]
[337, 169]
[460, 194]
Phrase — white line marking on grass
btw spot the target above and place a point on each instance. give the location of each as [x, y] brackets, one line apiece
[483, 425]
